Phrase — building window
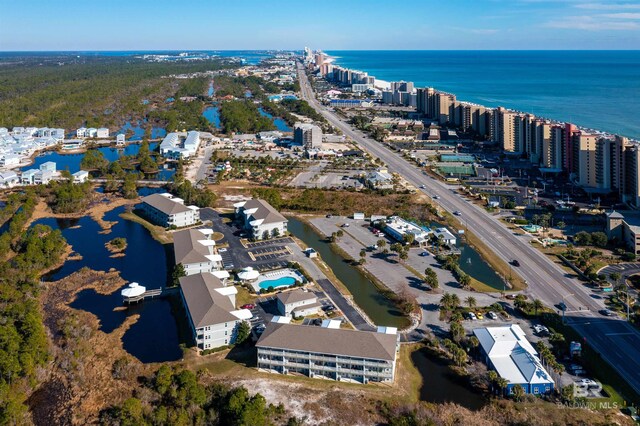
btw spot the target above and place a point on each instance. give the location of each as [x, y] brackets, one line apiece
[536, 391]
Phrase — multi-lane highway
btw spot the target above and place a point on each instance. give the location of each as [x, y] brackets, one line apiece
[617, 341]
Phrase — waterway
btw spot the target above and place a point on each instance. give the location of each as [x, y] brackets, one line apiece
[440, 384]
[137, 131]
[365, 294]
[154, 337]
[280, 124]
[71, 162]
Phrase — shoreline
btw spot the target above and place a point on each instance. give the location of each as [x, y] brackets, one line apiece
[585, 128]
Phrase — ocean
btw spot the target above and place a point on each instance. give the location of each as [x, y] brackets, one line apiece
[595, 89]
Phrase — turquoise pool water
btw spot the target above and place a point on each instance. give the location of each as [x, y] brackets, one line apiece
[279, 282]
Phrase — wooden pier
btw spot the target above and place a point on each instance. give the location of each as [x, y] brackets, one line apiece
[149, 294]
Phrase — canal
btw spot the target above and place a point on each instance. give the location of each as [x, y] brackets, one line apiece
[155, 336]
[366, 295]
[473, 264]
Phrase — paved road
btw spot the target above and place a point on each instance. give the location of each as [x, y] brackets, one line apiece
[347, 310]
[546, 280]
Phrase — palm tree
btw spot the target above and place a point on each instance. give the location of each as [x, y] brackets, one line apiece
[537, 305]
[502, 384]
[455, 301]
[470, 301]
[518, 392]
[445, 301]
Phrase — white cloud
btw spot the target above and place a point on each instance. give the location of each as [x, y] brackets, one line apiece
[594, 23]
[624, 15]
[608, 6]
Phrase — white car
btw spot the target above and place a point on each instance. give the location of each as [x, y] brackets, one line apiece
[588, 383]
[222, 250]
[436, 197]
[492, 315]
[472, 316]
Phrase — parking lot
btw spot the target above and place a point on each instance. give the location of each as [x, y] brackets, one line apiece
[284, 240]
[272, 252]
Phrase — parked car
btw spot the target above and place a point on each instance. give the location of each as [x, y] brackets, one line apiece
[588, 383]
[471, 316]
[222, 250]
[260, 329]
[479, 315]
[329, 216]
[328, 308]
[606, 312]
[424, 254]
[492, 315]
[579, 372]
[540, 329]
[248, 306]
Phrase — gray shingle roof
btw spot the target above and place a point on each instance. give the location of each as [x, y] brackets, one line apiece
[295, 296]
[205, 305]
[187, 249]
[264, 211]
[330, 341]
[164, 204]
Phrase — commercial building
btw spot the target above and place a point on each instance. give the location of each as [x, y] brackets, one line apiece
[297, 303]
[260, 219]
[167, 210]
[379, 179]
[179, 145]
[507, 351]
[329, 353]
[397, 228]
[196, 251]
[307, 135]
[211, 310]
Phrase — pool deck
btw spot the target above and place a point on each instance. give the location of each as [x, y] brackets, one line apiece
[274, 275]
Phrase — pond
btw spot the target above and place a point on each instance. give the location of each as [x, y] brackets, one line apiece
[440, 384]
[71, 162]
[473, 264]
[280, 124]
[212, 114]
[365, 294]
[138, 131]
[155, 337]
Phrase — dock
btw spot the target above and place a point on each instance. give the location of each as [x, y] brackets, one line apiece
[149, 294]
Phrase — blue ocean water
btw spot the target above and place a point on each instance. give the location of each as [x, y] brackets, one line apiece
[594, 89]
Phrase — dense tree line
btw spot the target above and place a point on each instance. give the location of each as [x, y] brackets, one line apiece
[182, 116]
[287, 107]
[243, 117]
[93, 91]
[23, 341]
[68, 197]
[178, 397]
[201, 197]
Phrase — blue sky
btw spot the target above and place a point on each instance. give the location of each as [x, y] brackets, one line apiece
[324, 24]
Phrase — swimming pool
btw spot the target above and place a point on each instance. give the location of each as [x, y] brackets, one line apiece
[285, 281]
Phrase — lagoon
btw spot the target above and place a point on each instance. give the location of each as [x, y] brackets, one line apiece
[155, 336]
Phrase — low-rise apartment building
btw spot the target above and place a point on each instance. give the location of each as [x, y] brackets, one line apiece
[196, 251]
[260, 219]
[297, 303]
[329, 353]
[167, 210]
[211, 310]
